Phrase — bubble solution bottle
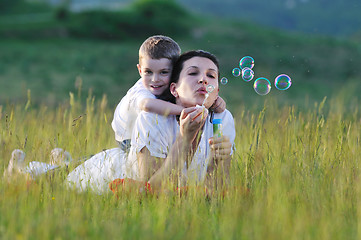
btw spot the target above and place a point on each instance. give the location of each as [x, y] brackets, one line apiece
[217, 128]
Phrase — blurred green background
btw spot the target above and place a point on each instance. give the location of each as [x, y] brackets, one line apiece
[54, 47]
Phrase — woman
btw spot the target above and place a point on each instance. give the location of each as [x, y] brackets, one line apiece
[162, 147]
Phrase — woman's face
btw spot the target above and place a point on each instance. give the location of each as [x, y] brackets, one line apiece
[191, 88]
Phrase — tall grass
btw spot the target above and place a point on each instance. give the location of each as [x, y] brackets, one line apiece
[301, 167]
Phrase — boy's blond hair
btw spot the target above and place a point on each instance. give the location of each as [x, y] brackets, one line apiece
[157, 47]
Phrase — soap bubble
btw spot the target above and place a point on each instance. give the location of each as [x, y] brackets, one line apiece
[283, 82]
[246, 61]
[236, 72]
[262, 86]
[224, 80]
[210, 88]
[247, 74]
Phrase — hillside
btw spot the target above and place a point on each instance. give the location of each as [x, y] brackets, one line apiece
[51, 67]
[320, 17]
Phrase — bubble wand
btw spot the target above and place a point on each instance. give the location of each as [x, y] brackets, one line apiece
[209, 89]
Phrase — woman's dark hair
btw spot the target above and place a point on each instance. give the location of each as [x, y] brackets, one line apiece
[178, 66]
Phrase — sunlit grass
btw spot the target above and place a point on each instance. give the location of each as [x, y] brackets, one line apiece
[301, 167]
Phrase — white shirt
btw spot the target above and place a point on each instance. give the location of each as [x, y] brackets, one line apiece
[127, 111]
[157, 133]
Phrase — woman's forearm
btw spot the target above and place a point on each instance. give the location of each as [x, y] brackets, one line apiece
[173, 164]
[218, 174]
[191, 121]
[155, 171]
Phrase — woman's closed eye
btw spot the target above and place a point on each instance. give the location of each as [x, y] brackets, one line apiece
[211, 75]
[193, 73]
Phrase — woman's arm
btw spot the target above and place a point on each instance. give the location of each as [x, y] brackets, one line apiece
[154, 170]
[218, 169]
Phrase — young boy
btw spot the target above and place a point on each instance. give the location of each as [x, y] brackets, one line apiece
[156, 57]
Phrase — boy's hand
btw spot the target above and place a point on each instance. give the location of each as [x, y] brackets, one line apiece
[219, 105]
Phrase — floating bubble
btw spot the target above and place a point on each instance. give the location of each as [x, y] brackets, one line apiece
[236, 72]
[247, 74]
[262, 86]
[224, 80]
[246, 61]
[283, 82]
[210, 88]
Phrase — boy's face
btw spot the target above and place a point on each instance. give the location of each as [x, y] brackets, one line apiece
[155, 74]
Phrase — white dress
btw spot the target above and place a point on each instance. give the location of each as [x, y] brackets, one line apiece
[156, 133]
[35, 168]
[127, 111]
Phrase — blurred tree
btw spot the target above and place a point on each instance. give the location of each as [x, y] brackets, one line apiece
[7, 6]
[62, 10]
[141, 19]
[161, 16]
[24, 6]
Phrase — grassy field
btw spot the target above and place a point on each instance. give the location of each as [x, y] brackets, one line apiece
[297, 151]
[301, 167]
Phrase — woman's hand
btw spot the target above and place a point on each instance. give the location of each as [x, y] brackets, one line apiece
[221, 148]
[191, 121]
[218, 168]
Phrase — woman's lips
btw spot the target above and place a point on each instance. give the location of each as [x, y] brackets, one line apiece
[202, 90]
